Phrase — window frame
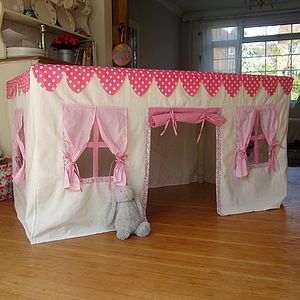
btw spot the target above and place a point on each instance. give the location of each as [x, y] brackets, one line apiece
[95, 144]
[269, 38]
[219, 44]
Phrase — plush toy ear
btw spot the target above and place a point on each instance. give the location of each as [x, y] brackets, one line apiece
[110, 211]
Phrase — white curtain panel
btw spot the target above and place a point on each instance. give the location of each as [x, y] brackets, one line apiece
[221, 46]
[191, 47]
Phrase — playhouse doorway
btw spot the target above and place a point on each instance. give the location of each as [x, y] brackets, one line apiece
[182, 172]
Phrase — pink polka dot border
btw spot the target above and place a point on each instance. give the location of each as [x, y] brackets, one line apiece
[140, 80]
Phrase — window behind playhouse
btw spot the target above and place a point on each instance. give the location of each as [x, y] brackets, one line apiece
[273, 50]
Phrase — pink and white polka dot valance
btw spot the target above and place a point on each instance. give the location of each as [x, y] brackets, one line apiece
[111, 79]
[18, 85]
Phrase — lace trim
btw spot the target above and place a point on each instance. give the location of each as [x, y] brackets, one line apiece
[259, 165]
[17, 85]
[67, 150]
[147, 166]
[218, 169]
[96, 179]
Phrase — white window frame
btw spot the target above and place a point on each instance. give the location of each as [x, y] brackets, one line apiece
[268, 38]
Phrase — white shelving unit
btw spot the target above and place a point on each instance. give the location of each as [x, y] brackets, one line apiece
[33, 22]
[6, 14]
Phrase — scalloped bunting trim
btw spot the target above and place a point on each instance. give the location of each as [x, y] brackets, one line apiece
[112, 79]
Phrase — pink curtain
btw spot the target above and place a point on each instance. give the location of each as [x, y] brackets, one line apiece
[269, 126]
[77, 121]
[18, 142]
[245, 118]
[112, 123]
[160, 116]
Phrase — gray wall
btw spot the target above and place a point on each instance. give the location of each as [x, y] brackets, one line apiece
[159, 34]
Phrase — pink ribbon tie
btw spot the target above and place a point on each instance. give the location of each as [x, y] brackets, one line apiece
[213, 118]
[174, 123]
[241, 158]
[241, 154]
[119, 171]
[201, 129]
[72, 169]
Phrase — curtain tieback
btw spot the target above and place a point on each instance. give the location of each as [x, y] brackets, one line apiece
[241, 154]
[272, 148]
[72, 168]
[76, 171]
[119, 169]
[174, 123]
[271, 153]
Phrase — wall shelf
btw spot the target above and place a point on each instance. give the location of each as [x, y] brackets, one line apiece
[33, 22]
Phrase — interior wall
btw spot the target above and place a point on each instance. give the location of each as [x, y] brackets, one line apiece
[100, 23]
[159, 34]
[177, 160]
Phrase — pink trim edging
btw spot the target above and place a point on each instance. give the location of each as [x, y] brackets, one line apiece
[218, 169]
[112, 79]
[17, 85]
[147, 166]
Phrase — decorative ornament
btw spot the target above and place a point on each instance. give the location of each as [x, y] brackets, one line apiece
[122, 53]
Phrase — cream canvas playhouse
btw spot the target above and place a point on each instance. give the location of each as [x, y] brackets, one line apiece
[76, 131]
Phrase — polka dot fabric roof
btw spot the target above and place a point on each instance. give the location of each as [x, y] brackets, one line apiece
[111, 79]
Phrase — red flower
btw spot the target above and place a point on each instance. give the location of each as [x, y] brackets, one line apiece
[65, 41]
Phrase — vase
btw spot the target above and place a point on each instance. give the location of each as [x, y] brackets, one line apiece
[66, 55]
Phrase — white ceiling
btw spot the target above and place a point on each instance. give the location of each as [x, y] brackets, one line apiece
[200, 5]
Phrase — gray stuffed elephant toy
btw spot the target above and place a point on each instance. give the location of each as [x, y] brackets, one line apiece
[125, 213]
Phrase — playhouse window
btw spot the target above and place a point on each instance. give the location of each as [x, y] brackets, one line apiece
[257, 150]
[18, 147]
[96, 159]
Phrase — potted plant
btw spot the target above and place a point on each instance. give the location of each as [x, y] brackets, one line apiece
[65, 45]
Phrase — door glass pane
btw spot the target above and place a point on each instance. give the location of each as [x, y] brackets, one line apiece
[296, 28]
[224, 65]
[284, 62]
[253, 64]
[255, 31]
[279, 47]
[295, 47]
[219, 53]
[279, 29]
[253, 49]
[224, 34]
[278, 62]
[224, 53]
[296, 61]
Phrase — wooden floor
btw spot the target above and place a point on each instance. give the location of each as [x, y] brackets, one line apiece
[191, 254]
